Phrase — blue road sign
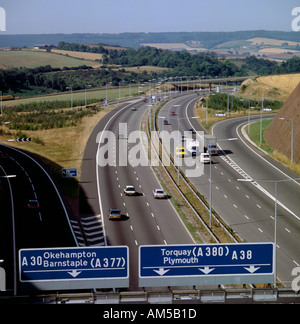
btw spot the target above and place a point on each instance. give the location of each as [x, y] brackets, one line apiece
[75, 268]
[69, 173]
[206, 264]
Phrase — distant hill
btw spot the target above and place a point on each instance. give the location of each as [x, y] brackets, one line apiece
[208, 40]
[279, 133]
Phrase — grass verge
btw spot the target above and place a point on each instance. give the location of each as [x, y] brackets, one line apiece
[254, 135]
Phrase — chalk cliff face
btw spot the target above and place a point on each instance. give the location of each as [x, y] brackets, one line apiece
[279, 133]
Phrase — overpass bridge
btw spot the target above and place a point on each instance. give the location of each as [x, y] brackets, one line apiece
[206, 83]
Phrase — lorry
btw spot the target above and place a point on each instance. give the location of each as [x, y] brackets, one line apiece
[210, 145]
[159, 194]
[192, 146]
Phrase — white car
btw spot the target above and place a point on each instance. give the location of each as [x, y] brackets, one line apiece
[129, 191]
[159, 194]
[204, 158]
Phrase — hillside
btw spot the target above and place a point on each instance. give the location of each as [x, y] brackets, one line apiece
[208, 40]
[275, 87]
[279, 133]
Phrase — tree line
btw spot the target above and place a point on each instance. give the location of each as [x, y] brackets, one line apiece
[267, 67]
[45, 79]
[179, 63]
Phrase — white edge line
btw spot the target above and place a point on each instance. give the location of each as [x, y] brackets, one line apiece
[54, 186]
[248, 139]
[255, 183]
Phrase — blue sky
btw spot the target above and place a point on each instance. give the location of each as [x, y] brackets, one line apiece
[117, 16]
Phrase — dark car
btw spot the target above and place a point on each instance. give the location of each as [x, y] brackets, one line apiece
[33, 204]
[114, 213]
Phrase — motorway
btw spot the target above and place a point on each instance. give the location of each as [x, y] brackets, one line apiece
[247, 208]
[20, 226]
[144, 219]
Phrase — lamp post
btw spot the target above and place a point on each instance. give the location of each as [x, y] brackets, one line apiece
[261, 114]
[276, 207]
[292, 139]
[85, 95]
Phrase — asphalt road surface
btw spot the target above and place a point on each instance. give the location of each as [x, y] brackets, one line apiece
[22, 227]
[144, 219]
[249, 209]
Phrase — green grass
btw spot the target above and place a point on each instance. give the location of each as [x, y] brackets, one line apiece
[255, 134]
[32, 59]
[99, 94]
[280, 157]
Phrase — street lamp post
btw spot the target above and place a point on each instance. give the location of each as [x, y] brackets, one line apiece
[292, 138]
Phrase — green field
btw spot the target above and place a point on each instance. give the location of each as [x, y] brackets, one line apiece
[98, 94]
[32, 59]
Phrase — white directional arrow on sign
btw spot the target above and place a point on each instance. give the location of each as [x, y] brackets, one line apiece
[252, 269]
[74, 273]
[161, 271]
[207, 270]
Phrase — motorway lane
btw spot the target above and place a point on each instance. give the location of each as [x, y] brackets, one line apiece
[245, 208]
[47, 226]
[145, 220]
[259, 166]
[7, 238]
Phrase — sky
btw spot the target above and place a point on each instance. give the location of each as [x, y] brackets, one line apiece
[118, 16]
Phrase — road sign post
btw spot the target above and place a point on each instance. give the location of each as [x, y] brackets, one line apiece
[2, 279]
[75, 268]
[217, 264]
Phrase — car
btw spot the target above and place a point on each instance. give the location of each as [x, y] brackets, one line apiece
[133, 108]
[159, 194]
[166, 122]
[4, 155]
[114, 213]
[129, 191]
[204, 158]
[33, 204]
[173, 113]
[180, 152]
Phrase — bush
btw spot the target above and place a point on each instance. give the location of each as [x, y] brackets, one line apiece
[219, 101]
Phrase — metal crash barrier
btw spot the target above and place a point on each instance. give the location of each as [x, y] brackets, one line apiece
[195, 296]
